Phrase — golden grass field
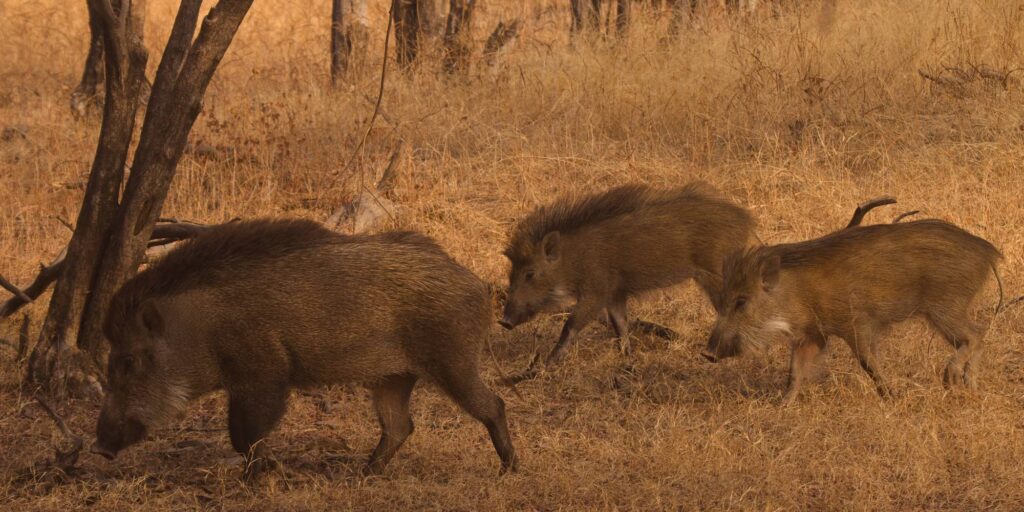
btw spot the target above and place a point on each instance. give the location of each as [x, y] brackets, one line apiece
[798, 117]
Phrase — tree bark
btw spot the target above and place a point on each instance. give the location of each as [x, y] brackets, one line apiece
[110, 239]
[407, 25]
[456, 35]
[622, 13]
[349, 34]
[87, 91]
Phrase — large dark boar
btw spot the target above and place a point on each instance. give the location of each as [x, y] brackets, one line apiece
[855, 284]
[593, 253]
[257, 308]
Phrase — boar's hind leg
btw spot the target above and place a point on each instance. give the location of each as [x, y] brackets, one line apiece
[620, 323]
[965, 335]
[862, 342]
[391, 399]
[252, 414]
[465, 387]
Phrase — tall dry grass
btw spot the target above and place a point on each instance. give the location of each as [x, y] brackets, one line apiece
[798, 117]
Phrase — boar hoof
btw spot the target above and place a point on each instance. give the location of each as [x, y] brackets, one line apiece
[954, 375]
[257, 466]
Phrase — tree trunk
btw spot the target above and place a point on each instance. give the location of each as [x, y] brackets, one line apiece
[456, 35]
[622, 12]
[55, 363]
[586, 15]
[92, 76]
[349, 34]
[407, 25]
[110, 240]
[86, 93]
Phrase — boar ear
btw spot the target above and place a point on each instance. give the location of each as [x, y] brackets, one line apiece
[770, 267]
[150, 319]
[551, 246]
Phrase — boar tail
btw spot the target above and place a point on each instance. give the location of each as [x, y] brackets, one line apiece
[999, 282]
[501, 371]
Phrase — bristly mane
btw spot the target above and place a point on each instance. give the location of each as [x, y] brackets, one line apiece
[572, 213]
[215, 254]
[209, 255]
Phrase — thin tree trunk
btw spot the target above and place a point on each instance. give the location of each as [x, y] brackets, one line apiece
[622, 12]
[586, 15]
[456, 35]
[92, 76]
[349, 34]
[407, 26]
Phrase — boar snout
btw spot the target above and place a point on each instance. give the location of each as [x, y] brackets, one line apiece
[709, 355]
[512, 316]
[113, 436]
[100, 450]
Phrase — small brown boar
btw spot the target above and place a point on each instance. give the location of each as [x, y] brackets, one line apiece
[591, 254]
[855, 284]
[257, 308]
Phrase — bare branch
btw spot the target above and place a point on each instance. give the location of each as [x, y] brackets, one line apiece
[866, 206]
[503, 34]
[23, 335]
[63, 460]
[18, 292]
[387, 179]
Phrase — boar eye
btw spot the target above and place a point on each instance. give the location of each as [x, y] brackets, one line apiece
[529, 276]
[127, 363]
[741, 302]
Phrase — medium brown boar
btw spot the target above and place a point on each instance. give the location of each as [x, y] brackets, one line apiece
[257, 308]
[591, 254]
[855, 284]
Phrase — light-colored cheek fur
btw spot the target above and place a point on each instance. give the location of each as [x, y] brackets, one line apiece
[160, 406]
[559, 299]
[779, 324]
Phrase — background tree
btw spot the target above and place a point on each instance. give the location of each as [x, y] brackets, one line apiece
[456, 35]
[349, 35]
[112, 230]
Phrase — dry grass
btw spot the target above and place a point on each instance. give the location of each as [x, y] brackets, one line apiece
[799, 118]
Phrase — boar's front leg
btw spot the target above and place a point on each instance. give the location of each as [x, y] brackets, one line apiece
[251, 416]
[620, 323]
[862, 342]
[802, 364]
[585, 312]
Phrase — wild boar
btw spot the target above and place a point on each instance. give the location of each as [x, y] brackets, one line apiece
[591, 254]
[257, 308]
[855, 284]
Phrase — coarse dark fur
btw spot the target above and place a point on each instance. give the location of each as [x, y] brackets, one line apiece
[257, 308]
[593, 253]
[855, 284]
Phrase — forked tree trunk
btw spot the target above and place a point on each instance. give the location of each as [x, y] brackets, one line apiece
[405, 14]
[88, 89]
[456, 35]
[110, 238]
[349, 35]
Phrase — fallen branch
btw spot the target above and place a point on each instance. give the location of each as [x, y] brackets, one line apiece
[64, 460]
